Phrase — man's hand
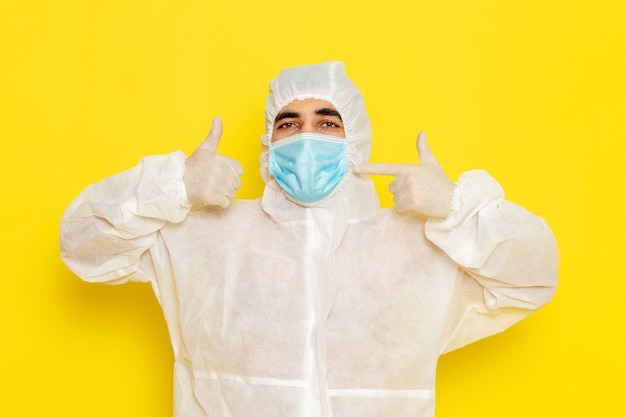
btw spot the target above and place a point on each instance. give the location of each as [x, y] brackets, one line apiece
[421, 188]
[211, 179]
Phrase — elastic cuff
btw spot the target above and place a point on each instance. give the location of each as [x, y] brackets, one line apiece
[161, 192]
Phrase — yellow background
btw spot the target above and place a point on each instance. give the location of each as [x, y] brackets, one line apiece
[532, 91]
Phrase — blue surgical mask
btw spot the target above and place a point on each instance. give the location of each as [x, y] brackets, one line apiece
[309, 166]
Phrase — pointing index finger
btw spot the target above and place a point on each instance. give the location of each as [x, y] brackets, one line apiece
[377, 169]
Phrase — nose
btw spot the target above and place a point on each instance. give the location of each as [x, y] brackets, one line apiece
[308, 127]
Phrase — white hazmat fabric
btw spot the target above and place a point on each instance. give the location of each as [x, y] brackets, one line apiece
[280, 310]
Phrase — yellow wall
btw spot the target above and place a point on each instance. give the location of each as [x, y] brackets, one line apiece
[533, 91]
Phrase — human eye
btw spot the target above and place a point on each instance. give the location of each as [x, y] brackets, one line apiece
[331, 127]
[286, 125]
[330, 124]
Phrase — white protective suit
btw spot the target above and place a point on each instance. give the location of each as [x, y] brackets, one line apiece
[279, 310]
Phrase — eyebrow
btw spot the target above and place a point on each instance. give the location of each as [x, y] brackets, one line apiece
[322, 112]
[328, 112]
[286, 115]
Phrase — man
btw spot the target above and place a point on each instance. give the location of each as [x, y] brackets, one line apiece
[313, 301]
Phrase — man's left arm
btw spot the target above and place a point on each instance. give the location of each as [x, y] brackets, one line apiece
[509, 259]
[508, 256]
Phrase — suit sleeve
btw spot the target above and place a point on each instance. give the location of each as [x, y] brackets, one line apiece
[508, 260]
[110, 225]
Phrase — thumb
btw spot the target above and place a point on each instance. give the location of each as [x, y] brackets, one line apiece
[213, 138]
[423, 151]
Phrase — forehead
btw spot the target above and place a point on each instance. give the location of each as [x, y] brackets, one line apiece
[307, 106]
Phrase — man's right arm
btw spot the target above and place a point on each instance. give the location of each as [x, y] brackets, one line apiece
[107, 228]
[111, 224]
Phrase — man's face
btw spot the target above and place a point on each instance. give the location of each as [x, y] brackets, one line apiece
[310, 116]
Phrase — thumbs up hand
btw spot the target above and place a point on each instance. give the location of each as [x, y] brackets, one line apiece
[421, 188]
[211, 179]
